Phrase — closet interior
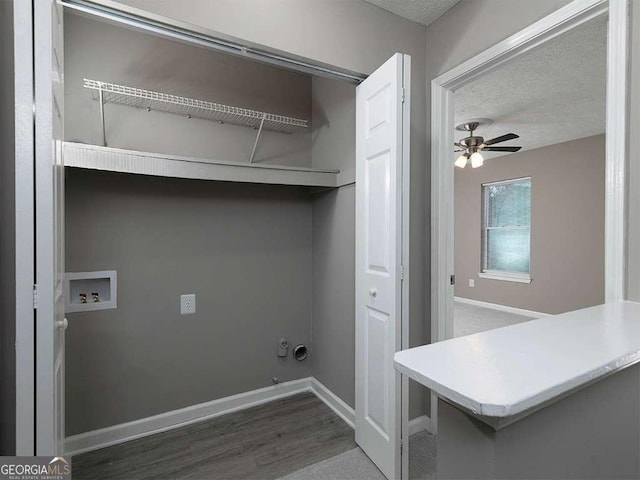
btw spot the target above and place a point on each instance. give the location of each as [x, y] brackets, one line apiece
[194, 172]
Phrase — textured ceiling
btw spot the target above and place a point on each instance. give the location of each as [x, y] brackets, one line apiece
[421, 11]
[552, 95]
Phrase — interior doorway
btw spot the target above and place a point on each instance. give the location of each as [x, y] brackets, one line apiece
[529, 182]
[571, 16]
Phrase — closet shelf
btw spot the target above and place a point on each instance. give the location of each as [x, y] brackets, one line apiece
[191, 107]
[145, 163]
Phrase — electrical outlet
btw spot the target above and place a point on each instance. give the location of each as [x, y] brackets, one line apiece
[188, 304]
[472, 282]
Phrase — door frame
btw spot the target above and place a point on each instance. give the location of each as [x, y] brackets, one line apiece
[406, 265]
[48, 438]
[571, 16]
[24, 229]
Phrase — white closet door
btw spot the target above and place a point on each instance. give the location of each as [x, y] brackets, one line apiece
[49, 206]
[379, 159]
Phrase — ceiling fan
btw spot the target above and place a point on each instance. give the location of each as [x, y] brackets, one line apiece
[473, 145]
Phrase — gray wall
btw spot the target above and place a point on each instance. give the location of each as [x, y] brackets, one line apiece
[333, 327]
[593, 433]
[451, 41]
[334, 125]
[357, 36]
[7, 236]
[567, 227]
[334, 240]
[244, 250]
[101, 51]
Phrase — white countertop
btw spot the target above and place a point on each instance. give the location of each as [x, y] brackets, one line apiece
[504, 372]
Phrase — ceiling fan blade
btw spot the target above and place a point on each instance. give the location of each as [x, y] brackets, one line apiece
[502, 138]
[501, 149]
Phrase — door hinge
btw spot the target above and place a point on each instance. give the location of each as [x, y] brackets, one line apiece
[402, 95]
[453, 280]
[401, 272]
[401, 447]
[35, 296]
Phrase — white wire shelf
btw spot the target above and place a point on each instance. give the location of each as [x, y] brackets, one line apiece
[190, 107]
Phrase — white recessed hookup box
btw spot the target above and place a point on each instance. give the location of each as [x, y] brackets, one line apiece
[88, 291]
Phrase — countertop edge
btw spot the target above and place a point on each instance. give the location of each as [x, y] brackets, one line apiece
[515, 408]
[520, 407]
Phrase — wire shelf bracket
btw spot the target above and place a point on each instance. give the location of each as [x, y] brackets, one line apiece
[106, 92]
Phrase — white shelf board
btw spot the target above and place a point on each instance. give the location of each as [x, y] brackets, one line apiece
[504, 374]
[145, 163]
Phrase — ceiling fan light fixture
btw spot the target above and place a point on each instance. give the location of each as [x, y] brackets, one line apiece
[476, 160]
[473, 144]
[461, 162]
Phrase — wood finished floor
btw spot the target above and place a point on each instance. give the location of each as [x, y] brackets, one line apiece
[264, 442]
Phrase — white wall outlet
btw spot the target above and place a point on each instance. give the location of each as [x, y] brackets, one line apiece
[472, 282]
[188, 304]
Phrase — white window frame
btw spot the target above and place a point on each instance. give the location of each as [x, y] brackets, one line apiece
[503, 275]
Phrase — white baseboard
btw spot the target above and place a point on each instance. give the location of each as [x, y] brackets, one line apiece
[502, 308]
[420, 424]
[124, 432]
[334, 402]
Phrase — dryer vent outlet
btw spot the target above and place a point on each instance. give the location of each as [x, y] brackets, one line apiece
[300, 352]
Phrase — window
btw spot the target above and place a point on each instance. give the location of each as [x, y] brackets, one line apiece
[506, 230]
